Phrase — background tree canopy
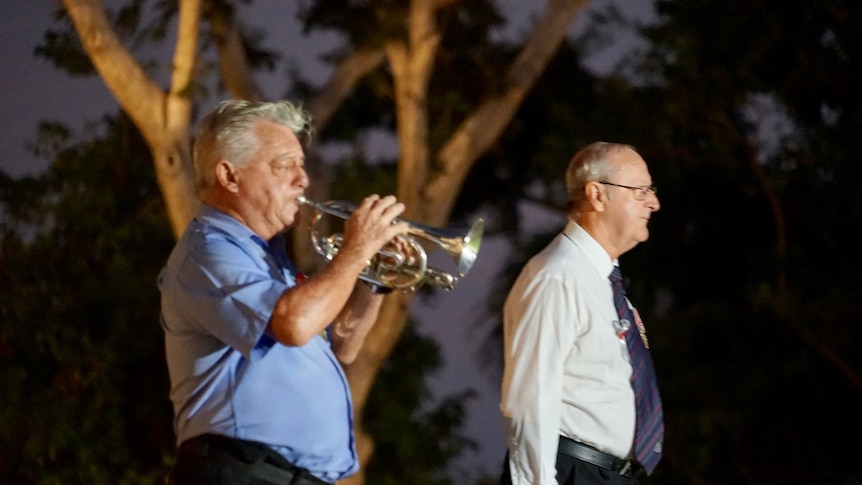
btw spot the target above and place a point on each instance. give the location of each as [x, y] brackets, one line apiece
[747, 113]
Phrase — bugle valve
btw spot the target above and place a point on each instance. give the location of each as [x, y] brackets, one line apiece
[401, 264]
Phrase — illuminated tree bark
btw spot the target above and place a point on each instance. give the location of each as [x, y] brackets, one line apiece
[162, 117]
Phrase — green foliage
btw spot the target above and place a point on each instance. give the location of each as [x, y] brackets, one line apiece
[218, 12]
[143, 27]
[749, 283]
[559, 115]
[462, 77]
[85, 387]
[413, 444]
[131, 20]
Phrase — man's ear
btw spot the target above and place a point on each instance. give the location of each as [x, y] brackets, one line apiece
[596, 196]
[226, 175]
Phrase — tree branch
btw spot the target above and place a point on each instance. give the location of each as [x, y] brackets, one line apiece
[163, 119]
[344, 78]
[412, 65]
[486, 123]
[123, 75]
[233, 63]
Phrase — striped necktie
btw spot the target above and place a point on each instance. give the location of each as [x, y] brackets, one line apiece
[649, 428]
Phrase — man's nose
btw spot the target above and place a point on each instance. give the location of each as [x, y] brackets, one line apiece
[653, 203]
[303, 180]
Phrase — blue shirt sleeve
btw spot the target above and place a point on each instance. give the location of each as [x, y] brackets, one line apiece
[229, 289]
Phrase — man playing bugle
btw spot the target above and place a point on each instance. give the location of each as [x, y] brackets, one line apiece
[254, 350]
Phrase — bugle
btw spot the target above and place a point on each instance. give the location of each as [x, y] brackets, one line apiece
[402, 264]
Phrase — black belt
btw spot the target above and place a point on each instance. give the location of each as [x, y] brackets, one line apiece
[254, 459]
[626, 468]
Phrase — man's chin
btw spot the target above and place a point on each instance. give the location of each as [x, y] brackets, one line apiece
[287, 225]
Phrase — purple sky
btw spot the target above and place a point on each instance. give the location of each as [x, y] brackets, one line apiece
[33, 90]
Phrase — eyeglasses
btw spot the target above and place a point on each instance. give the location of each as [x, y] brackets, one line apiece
[640, 192]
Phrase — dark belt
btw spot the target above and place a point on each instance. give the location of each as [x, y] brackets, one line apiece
[626, 468]
[254, 459]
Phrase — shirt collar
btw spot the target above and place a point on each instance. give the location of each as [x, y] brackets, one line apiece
[217, 219]
[595, 253]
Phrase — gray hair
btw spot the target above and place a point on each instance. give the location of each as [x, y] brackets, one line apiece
[228, 133]
[589, 164]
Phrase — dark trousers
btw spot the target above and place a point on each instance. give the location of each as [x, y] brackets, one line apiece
[572, 471]
[219, 460]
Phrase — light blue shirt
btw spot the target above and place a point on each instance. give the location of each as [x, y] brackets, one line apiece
[227, 375]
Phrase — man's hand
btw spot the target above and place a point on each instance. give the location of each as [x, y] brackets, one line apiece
[371, 226]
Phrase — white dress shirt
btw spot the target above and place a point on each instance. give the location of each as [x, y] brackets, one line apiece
[566, 369]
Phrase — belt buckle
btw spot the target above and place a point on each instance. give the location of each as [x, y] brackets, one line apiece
[626, 469]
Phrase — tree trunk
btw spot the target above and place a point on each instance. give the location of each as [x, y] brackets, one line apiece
[162, 118]
[430, 196]
[363, 371]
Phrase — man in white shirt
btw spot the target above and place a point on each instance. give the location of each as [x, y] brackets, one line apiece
[567, 398]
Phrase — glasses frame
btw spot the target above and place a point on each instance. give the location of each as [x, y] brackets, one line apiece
[639, 192]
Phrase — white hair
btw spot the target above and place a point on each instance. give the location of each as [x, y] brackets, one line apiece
[227, 133]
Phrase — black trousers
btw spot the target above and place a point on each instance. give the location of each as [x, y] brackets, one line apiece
[219, 460]
[572, 471]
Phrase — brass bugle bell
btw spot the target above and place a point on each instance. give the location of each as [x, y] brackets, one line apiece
[402, 264]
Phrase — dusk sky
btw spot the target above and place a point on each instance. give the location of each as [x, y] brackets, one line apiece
[33, 90]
